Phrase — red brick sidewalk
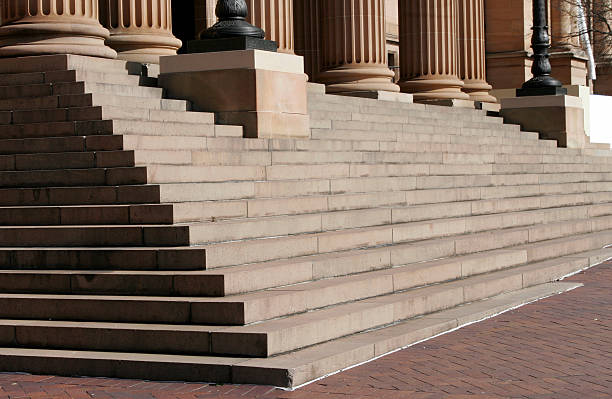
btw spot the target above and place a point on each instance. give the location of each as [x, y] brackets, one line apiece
[560, 347]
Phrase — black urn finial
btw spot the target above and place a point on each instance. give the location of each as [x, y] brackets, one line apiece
[540, 42]
[232, 22]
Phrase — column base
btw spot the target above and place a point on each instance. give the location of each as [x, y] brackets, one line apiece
[558, 118]
[427, 89]
[262, 91]
[347, 79]
[144, 48]
[30, 39]
[479, 91]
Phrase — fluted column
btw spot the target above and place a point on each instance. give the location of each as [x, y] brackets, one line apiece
[275, 17]
[428, 50]
[353, 53]
[141, 30]
[35, 27]
[563, 32]
[307, 35]
[472, 57]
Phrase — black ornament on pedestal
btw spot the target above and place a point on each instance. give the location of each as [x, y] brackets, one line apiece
[232, 32]
[541, 83]
[232, 22]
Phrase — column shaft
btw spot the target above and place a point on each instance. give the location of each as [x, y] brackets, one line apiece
[141, 30]
[428, 50]
[36, 27]
[275, 17]
[602, 46]
[353, 47]
[307, 35]
[472, 57]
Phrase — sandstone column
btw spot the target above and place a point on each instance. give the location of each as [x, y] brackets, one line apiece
[428, 50]
[472, 58]
[141, 30]
[307, 35]
[567, 58]
[35, 27]
[275, 17]
[353, 53]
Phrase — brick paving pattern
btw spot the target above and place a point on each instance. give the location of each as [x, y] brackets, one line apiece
[560, 347]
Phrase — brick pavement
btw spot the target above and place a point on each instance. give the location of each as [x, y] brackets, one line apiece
[560, 347]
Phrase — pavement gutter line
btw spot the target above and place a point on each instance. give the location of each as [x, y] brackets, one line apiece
[577, 285]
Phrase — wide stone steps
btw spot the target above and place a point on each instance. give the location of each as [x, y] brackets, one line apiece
[228, 150]
[287, 370]
[265, 249]
[389, 206]
[383, 302]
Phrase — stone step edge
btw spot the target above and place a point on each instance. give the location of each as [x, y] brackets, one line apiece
[287, 371]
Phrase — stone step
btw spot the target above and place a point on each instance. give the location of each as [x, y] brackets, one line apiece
[219, 210]
[382, 306]
[108, 113]
[92, 236]
[99, 99]
[193, 191]
[74, 177]
[442, 136]
[74, 75]
[66, 160]
[100, 195]
[87, 215]
[63, 62]
[460, 242]
[117, 126]
[364, 120]
[288, 370]
[106, 88]
[103, 258]
[56, 129]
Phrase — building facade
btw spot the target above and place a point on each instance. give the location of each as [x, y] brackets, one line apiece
[434, 49]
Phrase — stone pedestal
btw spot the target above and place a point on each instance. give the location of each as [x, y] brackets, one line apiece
[141, 31]
[52, 27]
[428, 50]
[353, 53]
[275, 17]
[558, 118]
[472, 58]
[570, 67]
[263, 91]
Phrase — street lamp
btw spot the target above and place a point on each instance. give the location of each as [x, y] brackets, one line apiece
[541, 83]
[232, 22]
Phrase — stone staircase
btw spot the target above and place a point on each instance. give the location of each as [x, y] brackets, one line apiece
[140, 240]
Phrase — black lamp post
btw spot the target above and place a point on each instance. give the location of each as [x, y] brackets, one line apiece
[541, 83]
[232, 22]
[231, 32]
